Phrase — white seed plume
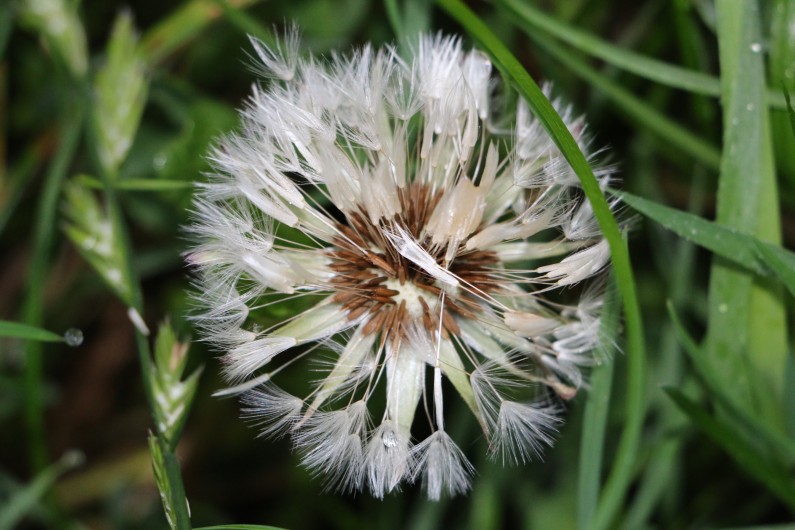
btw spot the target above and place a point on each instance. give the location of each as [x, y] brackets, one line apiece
[384, 216]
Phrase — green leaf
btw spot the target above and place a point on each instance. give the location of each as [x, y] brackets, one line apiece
[19, 330]
[239, 527]
[23, 501]
[744, 249]
[597, 407]
[747, 330]
[791, 112]
[182, 26]
[781, 64]
[720, 239]
[635, 108]
[246, 23]
[780, 261]
[626, 454]
[658, 71]
[752, 424]
[758, 466]
[6, 24]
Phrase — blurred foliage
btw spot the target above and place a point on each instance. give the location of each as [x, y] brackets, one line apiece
[106, 114]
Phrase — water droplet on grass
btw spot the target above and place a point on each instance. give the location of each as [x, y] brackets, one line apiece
[73, 337]
[756, 47]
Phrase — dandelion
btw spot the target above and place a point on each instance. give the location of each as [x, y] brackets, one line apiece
[421, 228]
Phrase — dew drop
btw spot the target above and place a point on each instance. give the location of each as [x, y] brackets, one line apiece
[723, 308]
[389, 439]
[756, 47]
[160, 160]
[73, 337]
[750, 107]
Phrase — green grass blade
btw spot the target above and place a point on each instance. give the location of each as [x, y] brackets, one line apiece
[136, 184]
[19, 330]
[18, 505]
[246, 23]
[783, 444]
[622, 470]
[33, 309]
[781, 64]
[6, 23]
[744, 249]
[780, 261]
[775, 478]
[595, 422]
[239, 527]
[658, 71]
[746, 325]
[791, 112]
[182, 26]
[652, 69]
[646, 116]
[722, 240]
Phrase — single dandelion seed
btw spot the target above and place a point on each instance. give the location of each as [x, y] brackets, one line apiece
[422, 229]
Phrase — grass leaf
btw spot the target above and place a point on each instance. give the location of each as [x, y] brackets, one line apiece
[596, 413]
[635, 108]
[183, 25]
[746, 336]
[655, 70]
[239, 527]
[758, 466]
[19, 504]
[18, 330]
[790, 111]
[783, 444]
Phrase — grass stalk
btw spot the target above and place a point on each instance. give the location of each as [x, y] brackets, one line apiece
[33, 305]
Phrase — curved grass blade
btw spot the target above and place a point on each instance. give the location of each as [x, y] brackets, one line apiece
[18, 330]
[644, 114]
[658, 71]
[622, 471]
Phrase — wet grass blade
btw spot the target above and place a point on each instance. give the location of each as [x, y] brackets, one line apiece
[761, 257]
[746, 338]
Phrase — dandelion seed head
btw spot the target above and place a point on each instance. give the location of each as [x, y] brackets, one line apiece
[392, 218]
